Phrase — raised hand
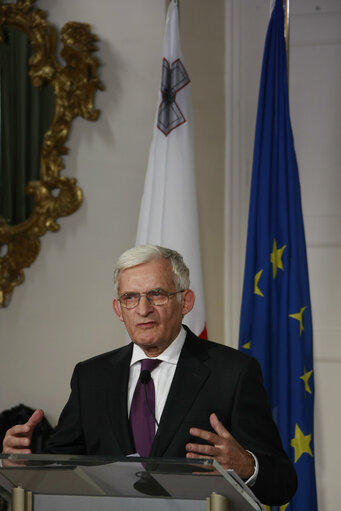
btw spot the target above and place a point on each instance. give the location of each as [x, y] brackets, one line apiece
[222, 447]
[18, 438]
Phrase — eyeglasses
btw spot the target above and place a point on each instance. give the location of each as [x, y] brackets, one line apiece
[155, 297]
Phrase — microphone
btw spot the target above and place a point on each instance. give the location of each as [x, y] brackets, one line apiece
[145, 378]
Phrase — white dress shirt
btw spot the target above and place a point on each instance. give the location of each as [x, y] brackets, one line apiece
[162, 375]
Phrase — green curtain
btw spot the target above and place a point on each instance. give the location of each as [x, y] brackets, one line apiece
[25, 115]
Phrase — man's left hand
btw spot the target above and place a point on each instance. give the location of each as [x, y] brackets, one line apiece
[223, 448]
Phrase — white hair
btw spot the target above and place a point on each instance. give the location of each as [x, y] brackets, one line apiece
[146, 253]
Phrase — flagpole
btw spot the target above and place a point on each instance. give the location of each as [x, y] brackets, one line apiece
[286, 10]
[286, 5]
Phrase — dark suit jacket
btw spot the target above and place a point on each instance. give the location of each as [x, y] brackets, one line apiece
[209, 378]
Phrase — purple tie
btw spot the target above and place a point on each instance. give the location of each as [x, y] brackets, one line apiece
[141, 417]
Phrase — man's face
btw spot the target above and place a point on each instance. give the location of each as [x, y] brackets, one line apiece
[152, 327]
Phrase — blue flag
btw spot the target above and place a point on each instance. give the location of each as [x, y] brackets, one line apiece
[276, 324]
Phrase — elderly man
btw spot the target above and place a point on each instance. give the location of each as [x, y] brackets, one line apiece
[199, 399]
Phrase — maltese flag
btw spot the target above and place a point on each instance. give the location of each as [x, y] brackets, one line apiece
[168, 213]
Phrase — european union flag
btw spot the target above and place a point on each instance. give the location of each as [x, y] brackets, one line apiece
[276, 324]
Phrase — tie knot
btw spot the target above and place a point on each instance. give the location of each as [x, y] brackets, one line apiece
[149, 364]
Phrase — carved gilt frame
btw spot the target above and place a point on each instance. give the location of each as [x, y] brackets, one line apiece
[74, 86]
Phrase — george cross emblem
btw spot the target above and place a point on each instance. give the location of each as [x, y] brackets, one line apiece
[174, 78]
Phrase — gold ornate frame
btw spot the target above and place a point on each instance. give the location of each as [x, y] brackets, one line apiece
[74, 86]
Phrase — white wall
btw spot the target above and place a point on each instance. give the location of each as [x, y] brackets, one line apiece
[315, 84]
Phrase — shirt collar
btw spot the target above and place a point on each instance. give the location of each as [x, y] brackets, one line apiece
[170, 355]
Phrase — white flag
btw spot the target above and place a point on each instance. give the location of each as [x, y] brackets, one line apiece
[168, 214]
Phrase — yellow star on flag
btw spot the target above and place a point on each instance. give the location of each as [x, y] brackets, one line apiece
[300, 443]
[299, 317]
[281, 508]
[276, 258]
[256, 289]
[247, 345]
[305, 377]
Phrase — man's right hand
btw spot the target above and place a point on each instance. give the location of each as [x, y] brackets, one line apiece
[18, 438]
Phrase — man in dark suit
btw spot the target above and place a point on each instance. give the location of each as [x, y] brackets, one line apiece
[209, 399]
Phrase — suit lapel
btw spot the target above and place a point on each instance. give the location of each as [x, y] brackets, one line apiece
[189, 378]
[117, 399]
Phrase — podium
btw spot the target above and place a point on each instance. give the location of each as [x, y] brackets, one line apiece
[88, 483]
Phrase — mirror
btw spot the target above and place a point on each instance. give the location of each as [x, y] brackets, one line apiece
[25, 116]
[41, 97]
